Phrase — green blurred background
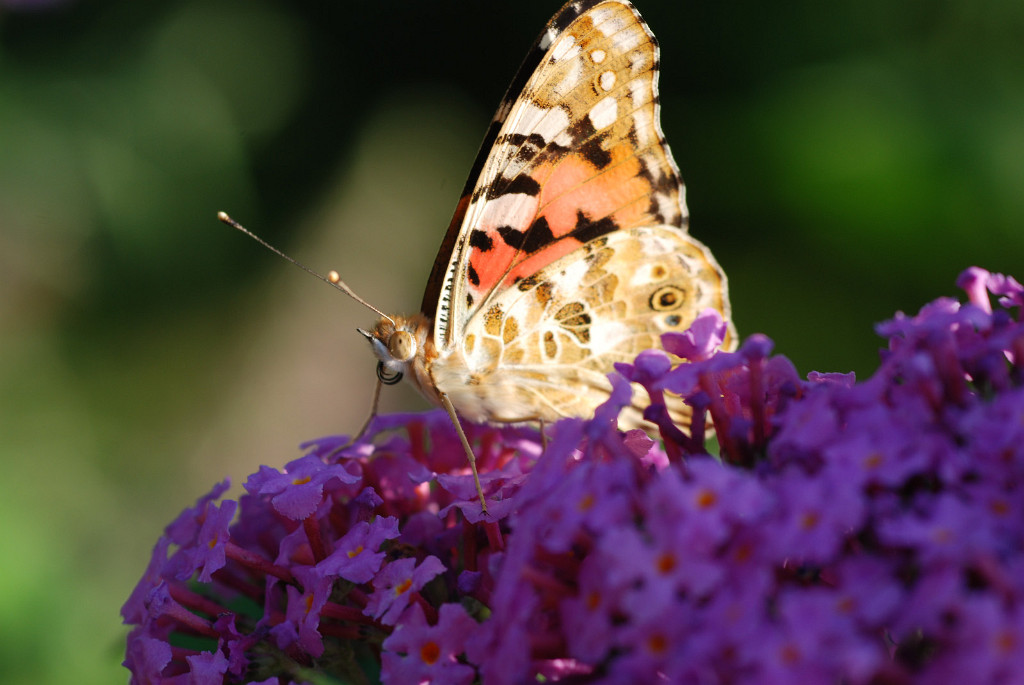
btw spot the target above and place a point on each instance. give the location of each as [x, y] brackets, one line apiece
[843, 160]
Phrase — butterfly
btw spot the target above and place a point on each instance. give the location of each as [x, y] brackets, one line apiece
[568, 250]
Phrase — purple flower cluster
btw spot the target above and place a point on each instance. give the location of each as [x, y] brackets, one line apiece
[847, 532]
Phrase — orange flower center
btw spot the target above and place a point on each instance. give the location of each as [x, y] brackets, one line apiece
[430, 652]
[666, 562]
[706, 499]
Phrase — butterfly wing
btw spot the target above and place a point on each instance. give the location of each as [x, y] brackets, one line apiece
[543, 348]
[575, 152]
[568, 251]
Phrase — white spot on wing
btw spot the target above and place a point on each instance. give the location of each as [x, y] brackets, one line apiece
[597, 56]
[639, 62]
[607, 80]
[666, 207]
[514, 209]
[572, 78]
[547, 39]
[565, 49]
[609, 20]
[606, 336]
[547, 122]
[630, 38]
[654, 243]
[569, 279]
[643, 125]
[604, 113]
[638, 90]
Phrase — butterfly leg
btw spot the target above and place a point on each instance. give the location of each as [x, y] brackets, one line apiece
[543, 435]
[373, 411]
[450, 408]
[366, 424]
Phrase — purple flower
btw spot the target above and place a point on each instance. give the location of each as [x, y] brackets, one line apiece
[589, 616]
[588, 498]
[147, 657]
[650, 647]
[305, 604]
[978, 283]
[943, 529]
[704, 337]
[207, 668]
[868, 590]
[418, 652]
[982, 642]
[213, 535]
[134, 610]
[356, 556]
[813, 640]
[182, 530]
[817, 516]
[298, 490]
[852, 532]
[395, 585]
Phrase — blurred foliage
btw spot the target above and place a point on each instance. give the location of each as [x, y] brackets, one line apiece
[843, 160]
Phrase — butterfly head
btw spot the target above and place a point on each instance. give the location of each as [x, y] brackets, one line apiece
[395, 342]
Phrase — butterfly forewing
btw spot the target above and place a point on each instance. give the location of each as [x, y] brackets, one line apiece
[577, 152]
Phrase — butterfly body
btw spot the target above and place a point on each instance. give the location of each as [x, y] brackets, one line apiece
[569, 249]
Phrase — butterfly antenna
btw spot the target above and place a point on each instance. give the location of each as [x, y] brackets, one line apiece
[332, 278]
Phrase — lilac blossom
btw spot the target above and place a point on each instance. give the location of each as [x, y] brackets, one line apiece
[843, 532]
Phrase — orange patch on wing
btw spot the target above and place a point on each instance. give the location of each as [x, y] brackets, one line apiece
[571, 185]
[560, 192]
[575, 184]
[490, 266]
[541, 258]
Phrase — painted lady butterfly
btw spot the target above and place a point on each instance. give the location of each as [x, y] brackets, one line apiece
[569, 249]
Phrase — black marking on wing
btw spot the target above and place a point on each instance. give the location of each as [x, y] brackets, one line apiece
[479, 240]
[522, 140]
[590, 147]
[525, 284]
[569, 13]
[586, 229]
[668, 184]
[594, 152]
[537, 236]
[522, 183]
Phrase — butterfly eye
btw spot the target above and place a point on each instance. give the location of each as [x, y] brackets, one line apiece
[402, 346]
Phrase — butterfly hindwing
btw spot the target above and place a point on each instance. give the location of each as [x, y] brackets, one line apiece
[575, 152]
[544, 347]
